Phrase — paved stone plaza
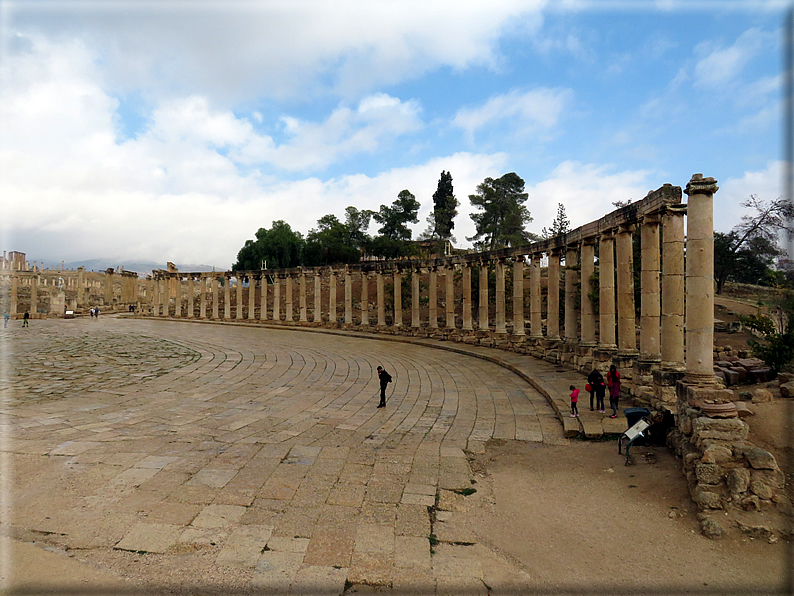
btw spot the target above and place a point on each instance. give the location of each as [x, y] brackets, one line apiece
[254, 458]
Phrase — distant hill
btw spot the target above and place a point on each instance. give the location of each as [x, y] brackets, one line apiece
[140, 267]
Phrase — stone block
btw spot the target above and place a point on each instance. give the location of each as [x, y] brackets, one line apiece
[787, 389]
[725, 429]
[707, 499]
[738, 481]
[741, 372]
[751, 503]
[785, 378]
[711, 529]
[750, 363]
[709, 473]
[716, 454]
[772, 478]
[731, 377]
[745, 396]
[761, 374]
[759, 459]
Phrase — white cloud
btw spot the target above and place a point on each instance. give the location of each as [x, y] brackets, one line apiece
[586, 190]
[535, 109]
[721, 65]
[766, 184]
[278, 49]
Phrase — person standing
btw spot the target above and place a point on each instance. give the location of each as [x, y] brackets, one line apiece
[25, 319]
[385, 379]
[613, 380]
[574, 402]
[6, 316]
[593, 380]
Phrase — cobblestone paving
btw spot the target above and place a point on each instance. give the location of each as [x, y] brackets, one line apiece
[252, 458]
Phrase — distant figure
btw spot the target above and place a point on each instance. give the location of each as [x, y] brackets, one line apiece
[91, 312]
[385, 379]
[597, 388]
[96, 312]
[613, 380]
[574, 402]
[25, 319]
[6, 316]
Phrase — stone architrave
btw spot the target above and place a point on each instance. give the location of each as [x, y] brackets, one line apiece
[535, 302]
[398, 298]
[332, 297]
[303, 315]
[571, 278]
[432, 306]
[449, 297]
[277, 298]
[215, 298]
[466, 278]
[700, 280]
[381, 299]
[587, 268]
[288, 315]
[518, 296]
[202, 297]
[317, 315]
[415, 322]
[553, 296]
[500, 297]
[251, 297]
[483, 323]
[606, 291]
[627, 340]
[190, 296]
[650, 308]
[673, 287]
[364, 299]
[348, 298]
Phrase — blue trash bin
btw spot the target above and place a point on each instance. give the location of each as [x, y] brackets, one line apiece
[634, 415]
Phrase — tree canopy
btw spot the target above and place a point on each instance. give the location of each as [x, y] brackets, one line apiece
[559, 226]
[445, 208]
[277, 248]
[503, 216]
[394, 219]
[746, 252]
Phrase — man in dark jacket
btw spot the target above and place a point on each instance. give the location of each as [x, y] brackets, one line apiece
[597, 388]
[385, 379]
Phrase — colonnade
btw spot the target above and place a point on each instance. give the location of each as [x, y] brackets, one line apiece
[599, 315]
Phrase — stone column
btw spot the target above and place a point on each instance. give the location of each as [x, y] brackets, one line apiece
[571, 275]
[156, 297]
[433, 299]
[288, 298]
[190, 296]
[587, 267]
[348, 298]
[364, 299]
[251, 297]
[277, 298]
[317, 316]
[80, 286]
[535, 308]
[304, 318]
[500, 297]
[606, 291]
[518, 296]
[466, 279]
[673, 287]
[263, 297]
[178, 296]
[12, 311]
[202, 297]
[650, 310]
[553, 296]
[381, 299]
[215, 298]
[627, 341]
[109, 287]
[332, 297]
[398, 298]
[34, 295]
[700, 280]
[227, 297]
[415, 298]
[483, 306]
[449, 296]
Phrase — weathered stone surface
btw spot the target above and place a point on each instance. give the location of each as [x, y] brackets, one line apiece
[759, 459]
[726, 429]
[711, 529]
[787, 389]
[751, 503]
[738, 480]
[784, 378]
[709, 473]
[758, 531]
[716, 454]
[707, 499]
[761, 396]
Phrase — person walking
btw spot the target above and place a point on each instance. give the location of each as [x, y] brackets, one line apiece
[25, 319]
[593, 380]
[574, 402]
[613, 380]
[385, 379]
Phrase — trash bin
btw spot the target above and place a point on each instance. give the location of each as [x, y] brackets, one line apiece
[634, 415]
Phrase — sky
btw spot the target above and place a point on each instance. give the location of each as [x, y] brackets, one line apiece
[169, 130]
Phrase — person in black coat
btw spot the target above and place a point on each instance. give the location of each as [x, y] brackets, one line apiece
[385, 379]
[598, 389]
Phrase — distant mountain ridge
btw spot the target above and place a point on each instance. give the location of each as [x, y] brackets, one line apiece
[140, 267]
